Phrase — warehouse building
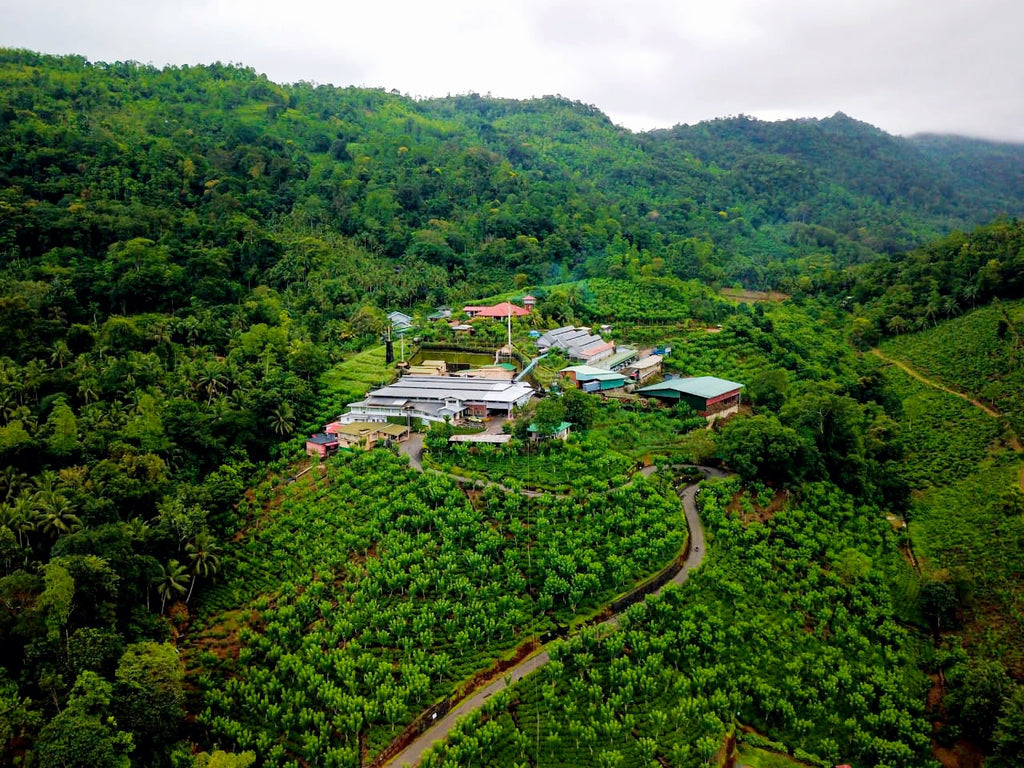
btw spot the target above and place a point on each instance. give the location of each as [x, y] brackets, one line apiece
[437, 398]
[709, 396]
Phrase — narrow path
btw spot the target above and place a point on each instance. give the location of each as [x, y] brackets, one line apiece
[936, 385]
[1015, 443]
[440, 729]
[413, 448]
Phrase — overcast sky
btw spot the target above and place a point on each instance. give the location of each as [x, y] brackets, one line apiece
[907, 66]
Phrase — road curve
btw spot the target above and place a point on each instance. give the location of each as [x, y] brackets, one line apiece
[439, 730]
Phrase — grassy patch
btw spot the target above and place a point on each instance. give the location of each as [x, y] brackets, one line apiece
[752, 757]
[640, 434]
[352, 378]
[981, 353]
[368, 594]
[587, 464]
[946, 436]
[963, 532]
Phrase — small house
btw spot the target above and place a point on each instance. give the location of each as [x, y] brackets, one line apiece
[643, 369]
[622, 356]
[321, 445]
[498, 311]
[462, 329]
[591, 379]
[441, 313]
[399, 320]
[708, 395]
[364, 435]
[529, 301]
[561, 432]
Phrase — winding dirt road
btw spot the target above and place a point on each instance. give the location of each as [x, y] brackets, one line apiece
[1014, 439]
[440, 729]
[936, 385]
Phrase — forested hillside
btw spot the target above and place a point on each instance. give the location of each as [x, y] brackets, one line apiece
[947, 277]
[194, 264]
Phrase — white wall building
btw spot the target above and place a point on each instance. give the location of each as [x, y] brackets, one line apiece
[435, 398]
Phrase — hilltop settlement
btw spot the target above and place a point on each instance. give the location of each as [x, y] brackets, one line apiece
[439, 389]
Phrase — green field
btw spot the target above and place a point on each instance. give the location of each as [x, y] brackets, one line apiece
[788, 625]
[352, 378]
[945, 436]
[981, 353]
[967, 521]
[970, 533]
[580, 464]
[356, 600]
[646, 434]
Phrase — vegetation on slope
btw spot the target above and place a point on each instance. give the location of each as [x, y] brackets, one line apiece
[186, 252]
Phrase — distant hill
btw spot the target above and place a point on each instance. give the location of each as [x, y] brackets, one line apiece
[462, 190]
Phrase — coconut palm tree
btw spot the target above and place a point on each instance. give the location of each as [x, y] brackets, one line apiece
[204, 555]
[57, 516]
[25, 516]
[136, 529]
[171, 581]
[282, 420]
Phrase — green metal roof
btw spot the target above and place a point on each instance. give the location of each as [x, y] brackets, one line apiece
[561, 427]
[701, 386]
[622, 355]
[589, 373]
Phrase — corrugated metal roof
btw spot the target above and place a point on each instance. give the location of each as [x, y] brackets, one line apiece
[649, 362]
[590, 373]
[480, 437]
[560, 428]
[433, 387]
[504, 309]
[622, 354]
[700, 386]
[591, 349]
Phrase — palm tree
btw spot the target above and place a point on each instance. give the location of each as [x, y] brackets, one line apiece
[282, 421]
[11, 480]
[171, 581]
[896, 324]
[205, 558]
[970, 292]
[58, 517]
[212, 379]
[25, 516]
[61, 354]
[87, 390]
[136, 529]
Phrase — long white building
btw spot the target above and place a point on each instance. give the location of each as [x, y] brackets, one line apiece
[435, 398]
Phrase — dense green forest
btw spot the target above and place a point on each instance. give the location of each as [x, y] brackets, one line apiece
[195, 265]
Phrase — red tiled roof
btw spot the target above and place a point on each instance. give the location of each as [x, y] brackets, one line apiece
[498, 310]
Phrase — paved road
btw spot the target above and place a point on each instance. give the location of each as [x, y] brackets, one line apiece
[413, 448]
[439, 731]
